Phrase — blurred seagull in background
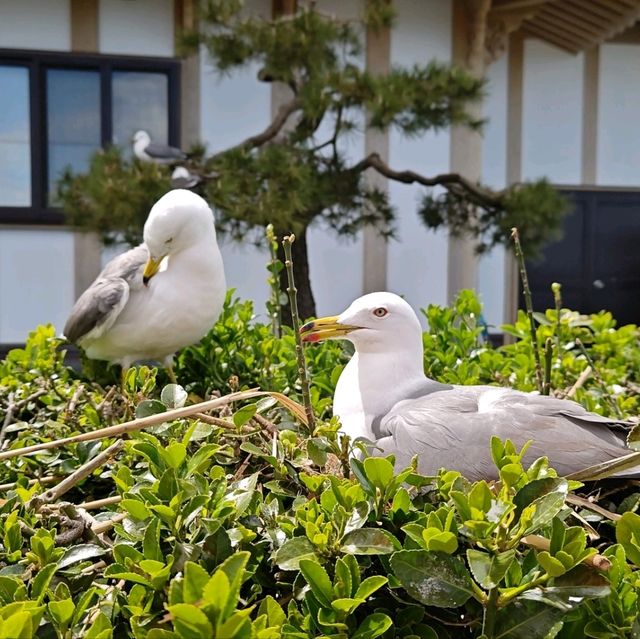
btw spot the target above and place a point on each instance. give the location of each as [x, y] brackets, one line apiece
[384, 397]
[148, 151]
[135, 310]
[182, 178]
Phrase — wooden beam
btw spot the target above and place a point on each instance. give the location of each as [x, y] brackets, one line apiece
[558, 38]
[84, 25]
[510, 5]
[564, 28]
[283, 7]
[374, 245]
[591, 77]
[571, 22]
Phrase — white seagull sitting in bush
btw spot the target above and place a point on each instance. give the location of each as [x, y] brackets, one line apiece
[383, 396]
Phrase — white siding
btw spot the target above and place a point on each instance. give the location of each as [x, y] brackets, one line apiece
[36, 280]
[552, 113]
[494, 171]
[34, 24]
[142, 27]
[418, 260]
[618, 162]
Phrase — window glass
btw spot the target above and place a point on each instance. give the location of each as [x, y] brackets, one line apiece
[15, 137]
[140, 101]
[73, 121]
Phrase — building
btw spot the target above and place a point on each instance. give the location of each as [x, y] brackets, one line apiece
[563, 96]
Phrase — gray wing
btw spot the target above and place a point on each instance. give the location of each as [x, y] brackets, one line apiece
[164, 152]
[447, 429]
[100, 305]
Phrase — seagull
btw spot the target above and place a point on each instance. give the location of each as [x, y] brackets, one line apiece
[158, 297]
[148, 151]
[384, 397]
[182, 178]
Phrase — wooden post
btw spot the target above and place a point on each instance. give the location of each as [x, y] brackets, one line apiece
[469, 40]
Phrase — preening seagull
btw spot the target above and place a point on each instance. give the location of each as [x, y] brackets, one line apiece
[383, 396]
[135, 310]
[148, 151]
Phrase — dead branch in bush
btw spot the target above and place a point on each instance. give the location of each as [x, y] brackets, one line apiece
[100, 503]
[159, 418]
[584, 376]
[600, 562]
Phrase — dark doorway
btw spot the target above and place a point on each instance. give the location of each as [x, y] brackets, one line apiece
[597, 260]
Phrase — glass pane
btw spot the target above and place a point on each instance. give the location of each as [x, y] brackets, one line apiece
[15, 137]
[140, 101]
[73, 121]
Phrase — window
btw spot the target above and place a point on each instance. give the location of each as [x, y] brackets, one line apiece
[56, 110]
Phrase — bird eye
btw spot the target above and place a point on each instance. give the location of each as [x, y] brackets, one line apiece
[168, 241]
[380, 312]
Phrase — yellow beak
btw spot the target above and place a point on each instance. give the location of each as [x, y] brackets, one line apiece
[325, 328]
[150, 269]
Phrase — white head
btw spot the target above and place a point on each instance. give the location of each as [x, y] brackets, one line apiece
[178, 220]
[141, 138]
[377, 322]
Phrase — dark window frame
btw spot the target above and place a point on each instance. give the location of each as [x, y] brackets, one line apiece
[37, 62]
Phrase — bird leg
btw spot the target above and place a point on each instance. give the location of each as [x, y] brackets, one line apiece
[168, 366]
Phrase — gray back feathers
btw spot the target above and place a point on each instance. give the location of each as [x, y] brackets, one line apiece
[99, 306]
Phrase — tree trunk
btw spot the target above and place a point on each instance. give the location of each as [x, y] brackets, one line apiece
[299, 254]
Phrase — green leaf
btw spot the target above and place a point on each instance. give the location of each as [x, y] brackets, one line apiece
[61, 611]
[244, 414]
[317, 451]
[190, 622]
[369, 586]
[369, 541]
[288, 556]
[81, 552]
[148, 407]
[433, 578]
[526, 620]
[489, 569]
[373, 626]
[173, 396]
[175, 454]
[318, 579]
[42, 580]
[552, 566]
[379, 471]
[135, 508]
[234, 568]
[151, 541]
[272, 609]
[541, 499]
[628, 536]
[633, 439]
[195, 580]
[100, 628]
[216, 592]
[241, 492]
[18, 624]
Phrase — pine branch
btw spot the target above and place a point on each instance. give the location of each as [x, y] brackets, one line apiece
[450, 181]
[260, 139]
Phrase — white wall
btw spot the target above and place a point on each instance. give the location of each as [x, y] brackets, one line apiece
[34, 24]
[417, 265]
[36, 280]
[141, 27]
[491, 284]
[618, 162]
[552, 113]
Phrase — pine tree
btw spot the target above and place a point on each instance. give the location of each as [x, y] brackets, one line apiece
[289, 176]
